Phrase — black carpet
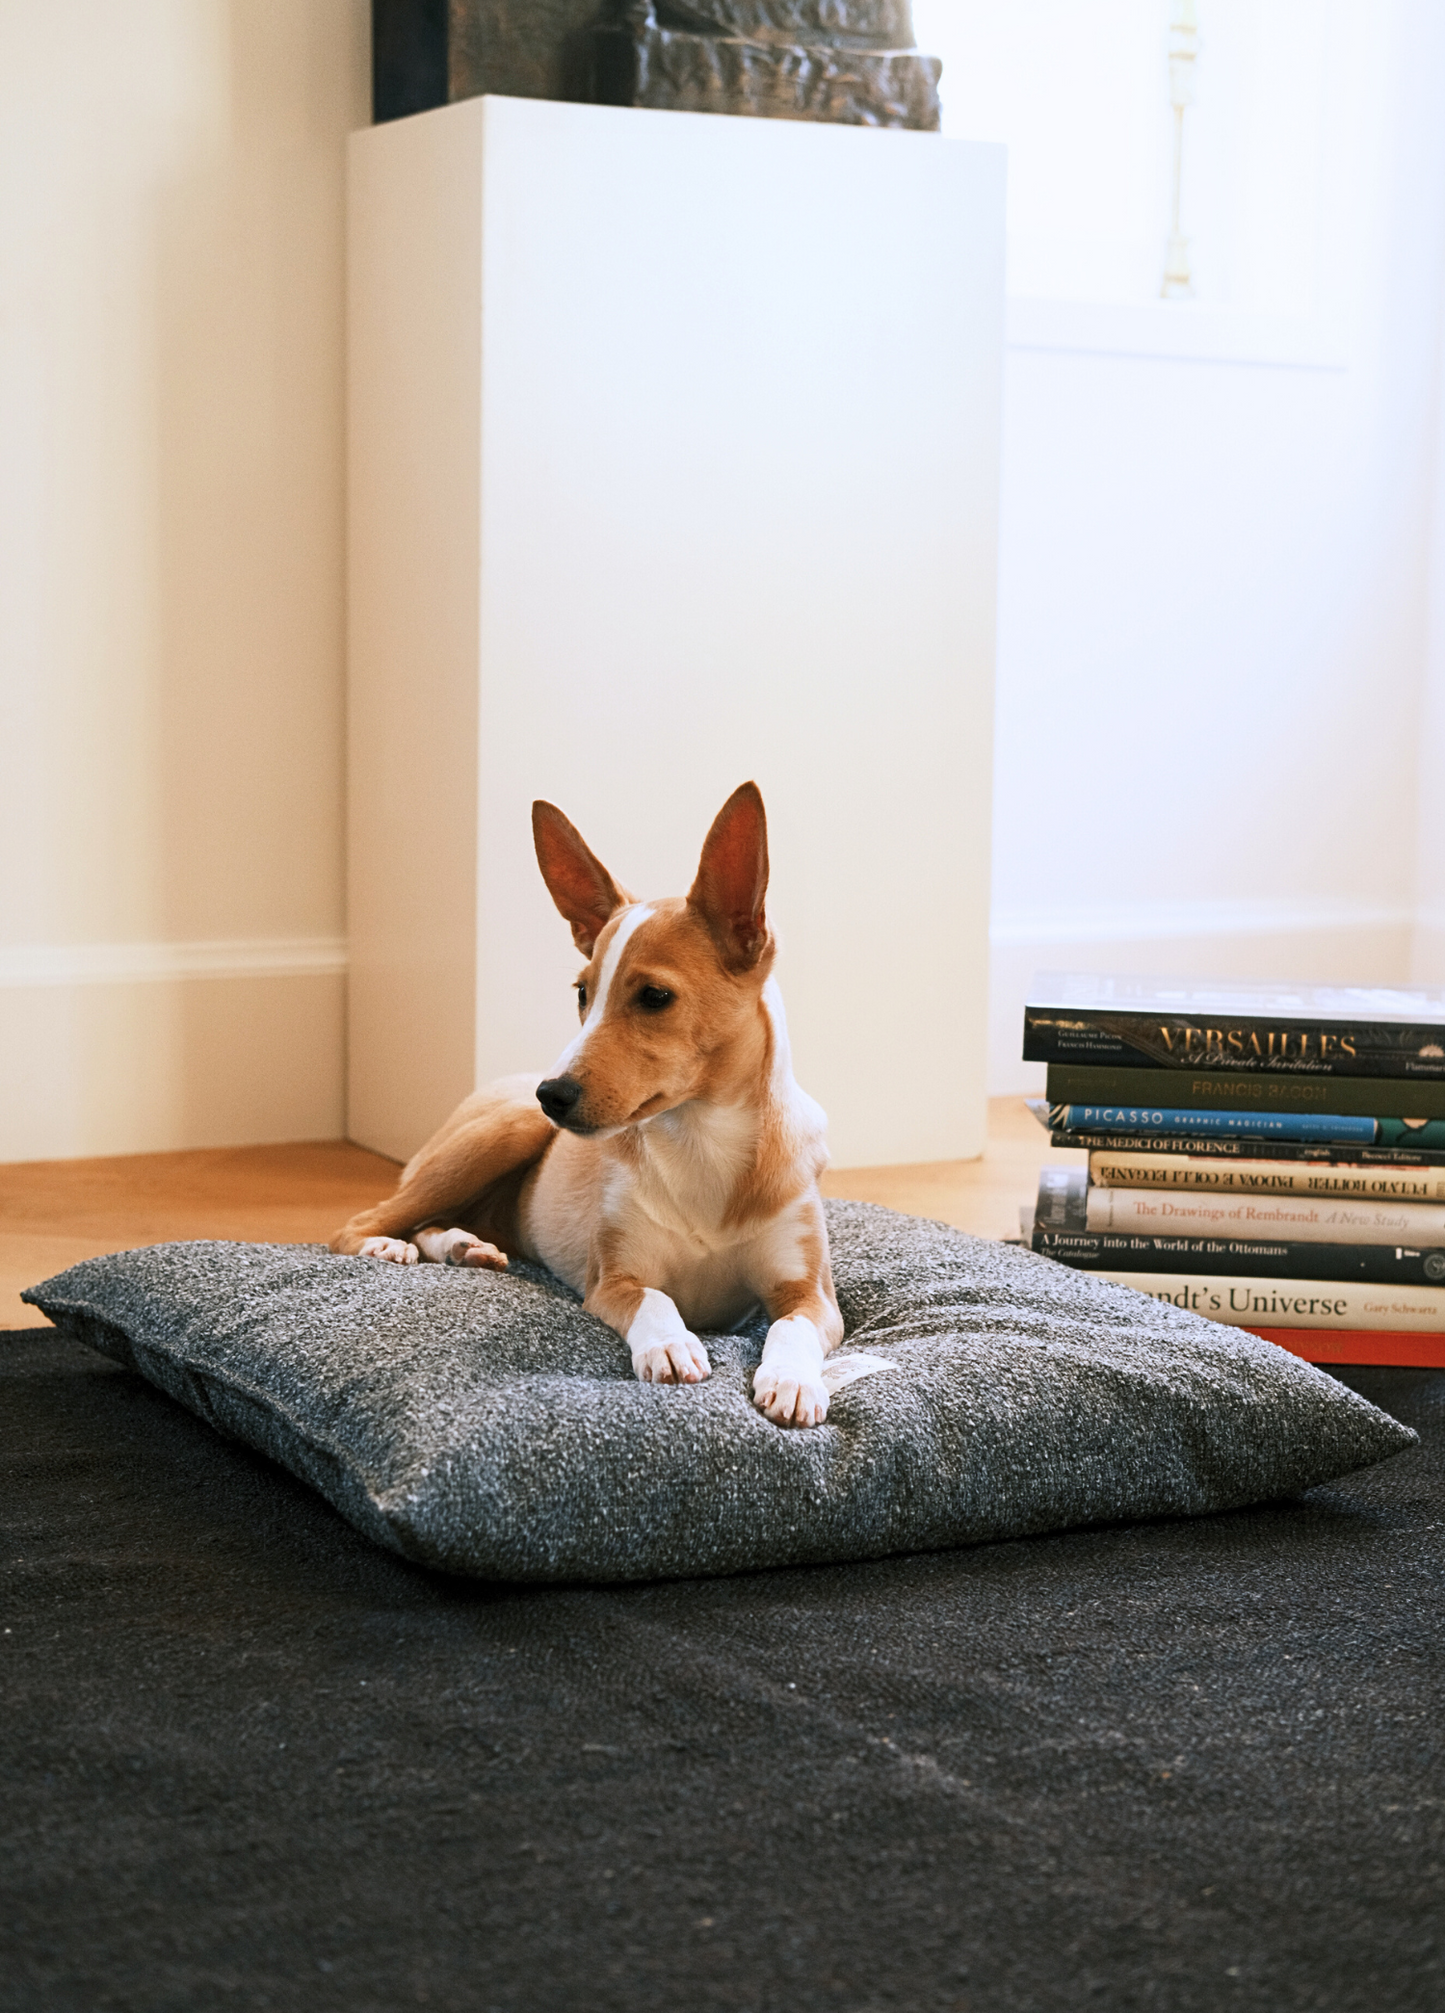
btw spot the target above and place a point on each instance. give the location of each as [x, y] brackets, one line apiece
[248, 1760]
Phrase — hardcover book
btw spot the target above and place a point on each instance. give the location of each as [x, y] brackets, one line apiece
[1069, 1203]
[1303, 1218]
[1063, 1199]
[1114, 1169]
[1298, 1031]
[1370, 1264]
[1248, 1301]
[1318, 1130]
[1236, 1146]
[1358, 1345]
[1214, 1090]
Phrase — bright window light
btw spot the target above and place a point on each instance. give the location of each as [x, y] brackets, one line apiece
[1078, 90]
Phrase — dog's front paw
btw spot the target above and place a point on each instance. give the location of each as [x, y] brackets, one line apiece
[663, 1350]
[788, 1399]
[788, 1385]
[680, 1360]
[395, 1249]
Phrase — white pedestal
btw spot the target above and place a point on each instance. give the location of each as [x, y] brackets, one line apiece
[674, 461]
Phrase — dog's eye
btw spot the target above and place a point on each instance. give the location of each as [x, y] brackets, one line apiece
[654, 998]
[582, 1001]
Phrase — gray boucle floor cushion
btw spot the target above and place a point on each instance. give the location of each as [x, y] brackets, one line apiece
[482, 1423]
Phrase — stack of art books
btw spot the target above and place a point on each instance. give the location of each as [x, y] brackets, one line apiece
[1270, 1157]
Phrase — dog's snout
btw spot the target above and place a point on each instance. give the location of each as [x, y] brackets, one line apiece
[559, 1097]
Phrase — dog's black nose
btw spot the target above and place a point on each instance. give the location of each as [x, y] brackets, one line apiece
[559, 1097]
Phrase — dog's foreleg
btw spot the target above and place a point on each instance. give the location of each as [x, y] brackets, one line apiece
[788, 1384]
[664, 1351]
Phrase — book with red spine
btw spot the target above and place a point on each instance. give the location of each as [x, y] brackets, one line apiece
[1359, 1345]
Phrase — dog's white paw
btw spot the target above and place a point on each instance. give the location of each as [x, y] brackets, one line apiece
[663, 1350]
[788, 1385]
[787, 1399]
[477, 1252]
[394, 1249]
[680, 1360]
[459, 1247]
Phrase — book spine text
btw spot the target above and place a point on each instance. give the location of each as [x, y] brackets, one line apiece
[1301, 1218]
[1264, 1177]
[1123, 1039]
[1297, 1303]
[1325, 1129]
[1366, 1264]
[1231, 1148]
[1218, 1090]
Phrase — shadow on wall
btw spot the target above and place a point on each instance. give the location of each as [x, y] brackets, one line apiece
[249, 503]
[172, 482]
[250, 545]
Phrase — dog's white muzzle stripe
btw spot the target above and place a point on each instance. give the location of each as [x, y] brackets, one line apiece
[632, 919]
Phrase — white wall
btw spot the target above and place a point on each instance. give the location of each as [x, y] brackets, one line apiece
[1222, 672]
[171, 926]
[1213, 613]
[1429, 949]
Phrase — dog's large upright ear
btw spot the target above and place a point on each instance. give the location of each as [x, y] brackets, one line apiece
[576, 879]
[732, 879]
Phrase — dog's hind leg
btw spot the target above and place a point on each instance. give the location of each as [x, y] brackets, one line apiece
[456, 1202]
[453, 1247]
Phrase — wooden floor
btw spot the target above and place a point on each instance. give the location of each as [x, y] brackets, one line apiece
[55, 1212]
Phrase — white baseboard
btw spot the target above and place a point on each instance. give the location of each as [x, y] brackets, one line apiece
[1349, 942]
[126, 963]
[151, 1048]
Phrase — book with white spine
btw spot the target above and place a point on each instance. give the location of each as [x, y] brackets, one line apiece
[1294, 1303]
[1267, 1177]
[1300, 1218]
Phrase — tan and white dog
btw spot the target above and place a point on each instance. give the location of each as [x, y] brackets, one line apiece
[668, 1167]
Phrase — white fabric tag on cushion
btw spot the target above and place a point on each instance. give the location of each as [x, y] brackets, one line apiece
[841, 1370]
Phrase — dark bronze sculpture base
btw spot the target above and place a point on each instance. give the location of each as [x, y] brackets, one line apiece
[678, 72]
[427, 53]
[848, 62]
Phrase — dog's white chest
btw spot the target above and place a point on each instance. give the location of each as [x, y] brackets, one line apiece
[662, 1215]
